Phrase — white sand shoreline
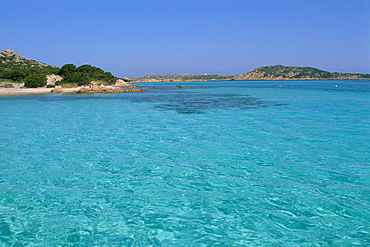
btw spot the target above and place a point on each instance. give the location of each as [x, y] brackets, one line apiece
[32, 91]
[91, 89]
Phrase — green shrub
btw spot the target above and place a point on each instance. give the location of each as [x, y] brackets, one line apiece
[67, 69]
[18, 74]
[89, 69]
[84, 75]
[8, 85]
[77, 77]
[33, 81]
[67, 85]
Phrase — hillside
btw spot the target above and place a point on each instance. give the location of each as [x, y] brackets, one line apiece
[279, 72]
[10, 59]
[15, 69]
[181, 78]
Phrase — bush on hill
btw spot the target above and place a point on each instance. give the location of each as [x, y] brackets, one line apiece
[91, 70]
[84, 75]
[18, 74]
[49, 70]
[33, 81]
[67, 69]
[76, 77]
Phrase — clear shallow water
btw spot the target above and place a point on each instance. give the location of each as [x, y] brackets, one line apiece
[211, 164]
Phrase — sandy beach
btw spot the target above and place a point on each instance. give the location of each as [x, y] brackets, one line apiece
[31, 91]
[94, 89]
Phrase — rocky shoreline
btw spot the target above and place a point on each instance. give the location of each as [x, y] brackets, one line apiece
[16, 89]
[98, 89]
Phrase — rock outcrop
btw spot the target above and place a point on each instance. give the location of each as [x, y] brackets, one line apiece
[95, 89]
[122, 84]
[52, 79]
[57, 89]
[9, 55]
[99, 89]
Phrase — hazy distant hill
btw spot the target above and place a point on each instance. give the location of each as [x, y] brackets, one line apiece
[181, 78]
[10, 59]
[279, 72]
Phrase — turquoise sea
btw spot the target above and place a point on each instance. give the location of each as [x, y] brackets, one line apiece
[245, 163]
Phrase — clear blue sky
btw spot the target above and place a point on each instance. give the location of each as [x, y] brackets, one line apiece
[144, 37]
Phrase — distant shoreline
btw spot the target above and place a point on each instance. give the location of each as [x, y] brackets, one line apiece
[287, 79]
[265, 73]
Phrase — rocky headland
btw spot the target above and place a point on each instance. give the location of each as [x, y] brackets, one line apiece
[19, 76]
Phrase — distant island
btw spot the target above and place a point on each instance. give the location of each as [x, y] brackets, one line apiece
[277, 72]
[280, 72]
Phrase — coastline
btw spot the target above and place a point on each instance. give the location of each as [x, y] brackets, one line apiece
[33, 91]
[93, 89]
[17, 91]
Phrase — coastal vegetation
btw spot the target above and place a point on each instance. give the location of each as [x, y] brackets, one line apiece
[17, 74]
[36, 80]
[11, 60]
[16, 69]
[84, 74]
